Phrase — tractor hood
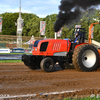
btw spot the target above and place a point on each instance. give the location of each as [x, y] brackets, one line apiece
[49, 47]
[37, 41]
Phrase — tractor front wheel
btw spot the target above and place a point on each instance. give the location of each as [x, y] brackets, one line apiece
[85, 58]
[47, 64]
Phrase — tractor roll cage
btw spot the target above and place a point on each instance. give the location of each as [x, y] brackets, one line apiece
[80, 37]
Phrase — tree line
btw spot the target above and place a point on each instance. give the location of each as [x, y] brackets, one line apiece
[32, 24]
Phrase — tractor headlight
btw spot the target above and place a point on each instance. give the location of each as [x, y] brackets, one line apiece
[35, 49]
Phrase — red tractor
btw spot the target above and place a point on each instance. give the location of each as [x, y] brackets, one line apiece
[46, 53]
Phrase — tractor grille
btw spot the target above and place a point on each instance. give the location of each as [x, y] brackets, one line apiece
[56, 46]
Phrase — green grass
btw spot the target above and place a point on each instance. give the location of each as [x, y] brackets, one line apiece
[10, 61]
[88, 98]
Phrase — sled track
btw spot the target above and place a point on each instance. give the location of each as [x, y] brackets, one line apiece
[16, 79]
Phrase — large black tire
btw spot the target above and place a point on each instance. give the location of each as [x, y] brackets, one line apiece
[47, 64]
[85, 58]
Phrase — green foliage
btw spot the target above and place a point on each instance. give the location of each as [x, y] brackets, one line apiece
[66, 33]
[32, 24]
[9, 20]
[50, 20]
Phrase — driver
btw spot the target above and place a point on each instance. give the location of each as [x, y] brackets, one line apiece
[77, 36]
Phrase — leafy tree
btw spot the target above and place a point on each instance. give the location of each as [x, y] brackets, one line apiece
[50, 20]
[32, 24]
[9, 20]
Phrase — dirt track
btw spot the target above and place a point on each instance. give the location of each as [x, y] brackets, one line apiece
[17, 79]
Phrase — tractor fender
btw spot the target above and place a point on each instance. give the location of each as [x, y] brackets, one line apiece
[80, 45]
[99, 55]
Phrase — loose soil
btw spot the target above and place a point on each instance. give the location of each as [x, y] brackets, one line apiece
[18, 79]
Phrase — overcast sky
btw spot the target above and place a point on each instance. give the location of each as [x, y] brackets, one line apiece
[41, 8]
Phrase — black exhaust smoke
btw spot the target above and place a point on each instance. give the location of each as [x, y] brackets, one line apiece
[71, 10]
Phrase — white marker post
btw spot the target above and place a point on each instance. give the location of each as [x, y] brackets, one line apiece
[0, 24]
[55, 35]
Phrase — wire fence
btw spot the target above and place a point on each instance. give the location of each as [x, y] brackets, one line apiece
[10, 41]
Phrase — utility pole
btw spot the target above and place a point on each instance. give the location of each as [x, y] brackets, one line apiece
[19, 25]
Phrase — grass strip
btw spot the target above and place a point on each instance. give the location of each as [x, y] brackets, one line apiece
[10, 61]
[87, 98]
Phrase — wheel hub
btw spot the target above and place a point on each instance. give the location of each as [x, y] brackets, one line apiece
[89, 58]
[85, 58]
[48, 65]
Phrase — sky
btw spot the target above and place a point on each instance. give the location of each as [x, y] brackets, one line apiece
[41, 8]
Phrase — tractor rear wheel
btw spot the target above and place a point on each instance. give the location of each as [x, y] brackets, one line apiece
[47, 64]
[85, 58]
